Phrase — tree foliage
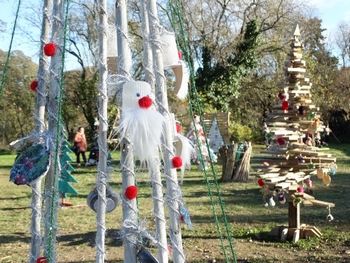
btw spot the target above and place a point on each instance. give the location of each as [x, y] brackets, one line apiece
[17, 103]
[220, 82]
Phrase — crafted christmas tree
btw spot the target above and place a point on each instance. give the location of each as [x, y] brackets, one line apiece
[66, 178]
[293, 154]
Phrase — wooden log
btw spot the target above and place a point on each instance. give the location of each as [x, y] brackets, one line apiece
[223, 156]
[230, 165]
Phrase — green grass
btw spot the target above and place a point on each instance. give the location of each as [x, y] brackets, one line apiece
[249, 222]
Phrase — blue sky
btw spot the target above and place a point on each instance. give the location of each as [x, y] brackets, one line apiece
[330, 11]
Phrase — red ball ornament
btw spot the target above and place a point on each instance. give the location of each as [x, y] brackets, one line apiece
[180, 55]
[261, 182]
[280, 140]
[177, 162]
[266, 164]
[34, 85]
[145, 102]
[41, 260]
[178, 128]
[285, 105]
[50, 49]
[131, 192]
[300, 189]
[280, 96]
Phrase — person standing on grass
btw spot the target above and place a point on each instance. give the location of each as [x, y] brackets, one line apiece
[80, 141]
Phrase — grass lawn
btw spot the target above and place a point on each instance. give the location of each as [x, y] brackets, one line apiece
[247, 220]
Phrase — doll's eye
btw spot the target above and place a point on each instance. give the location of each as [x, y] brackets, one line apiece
[138, 94]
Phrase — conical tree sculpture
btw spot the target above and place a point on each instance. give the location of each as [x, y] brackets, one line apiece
[293, 151]
[64, 187]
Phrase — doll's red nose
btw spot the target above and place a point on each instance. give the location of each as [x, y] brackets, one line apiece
[145, 102]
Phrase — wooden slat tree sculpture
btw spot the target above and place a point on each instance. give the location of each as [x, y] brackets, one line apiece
[293, 152]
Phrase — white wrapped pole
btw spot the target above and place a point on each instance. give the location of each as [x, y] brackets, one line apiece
[147, 52]
[102, 138]
[39, 128]
[170, 172]
[51, 186]
[127, 157]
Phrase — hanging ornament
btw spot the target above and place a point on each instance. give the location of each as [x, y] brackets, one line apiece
[310, 165]
[143, 127]
[34, 85]
[302, 110]
[50, 49]
[177, 162]
[281, 198]
[329, 216]
[180, 54]
[332, 169]
[131, 192]
[309, 183]
[32, 164]
[271, 201]
[285, 105]
[261, 182]
[280, 96]
[280, 141]
[113, 199]
[185, 215]
[41, 260]
[312, 115]
[326, 179]
[146, 257]
[300, 189]
[266, 164]
[295, 107]
[300, 158]
[178, 127]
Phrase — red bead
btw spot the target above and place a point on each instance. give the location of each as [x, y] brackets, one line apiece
[178, 128]
[285, 105]
[34, 85]
[177, 162]
[50, 49]
[261, 182]
[41, 260]
[131, 192]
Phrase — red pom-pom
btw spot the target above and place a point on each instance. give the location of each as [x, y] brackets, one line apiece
[280, 140]
[285, 105]
[50, 49]
[281, 96]
[34, 85]
[177, 162]
[180, 55]
[169, 250]
[145, 102]
[261, 182]
[131, 192]
[178, 128]
[41, 260]
[300, 189]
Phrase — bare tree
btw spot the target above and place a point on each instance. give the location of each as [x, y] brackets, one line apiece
[342, 41]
